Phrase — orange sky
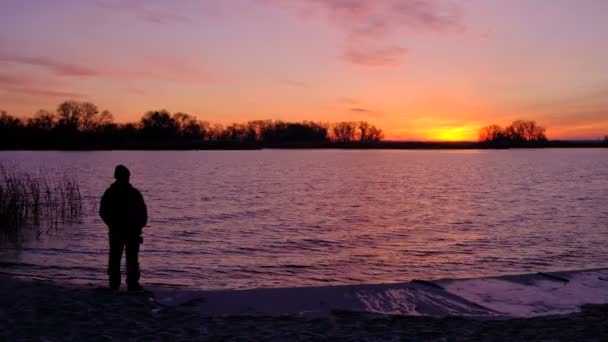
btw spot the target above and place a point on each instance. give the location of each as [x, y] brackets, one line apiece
[420, 70]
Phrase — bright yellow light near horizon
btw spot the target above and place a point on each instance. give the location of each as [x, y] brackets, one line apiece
[460, 133]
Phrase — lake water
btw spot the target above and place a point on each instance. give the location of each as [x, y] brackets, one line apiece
[282, 218]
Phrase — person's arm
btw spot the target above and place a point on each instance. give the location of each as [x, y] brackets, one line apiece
[104, 210]
[143, 211]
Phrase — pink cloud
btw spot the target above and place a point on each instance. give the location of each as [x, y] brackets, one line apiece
[168, 69]
[366, 112]
[375, 57]
[30, 87]
[147, 10]
[46, 92]
[368, 24]
[59, 68]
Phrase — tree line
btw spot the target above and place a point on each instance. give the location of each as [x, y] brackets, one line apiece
[520, 133]
[82, 125]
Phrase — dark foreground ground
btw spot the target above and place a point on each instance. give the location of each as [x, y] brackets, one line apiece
[43, 311]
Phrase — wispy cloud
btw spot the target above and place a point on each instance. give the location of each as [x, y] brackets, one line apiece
[168, 69]
[366, 112]
[375, 57]
[30, 87]
[59, 68]
[150, 11]
[47, 92]
[360, 110]
[368, 24]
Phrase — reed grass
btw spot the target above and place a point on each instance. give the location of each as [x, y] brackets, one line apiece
[36, 200]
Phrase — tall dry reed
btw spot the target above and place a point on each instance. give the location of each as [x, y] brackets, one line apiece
[36, 200]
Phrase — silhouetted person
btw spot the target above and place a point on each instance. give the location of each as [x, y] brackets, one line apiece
[124, 211]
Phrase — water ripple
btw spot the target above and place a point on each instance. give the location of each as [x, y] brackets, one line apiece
[299, 218]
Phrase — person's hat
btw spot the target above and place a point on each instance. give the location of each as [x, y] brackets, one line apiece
[121, 172]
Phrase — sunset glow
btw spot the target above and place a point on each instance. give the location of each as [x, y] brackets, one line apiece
[420, 70]
[465, 133]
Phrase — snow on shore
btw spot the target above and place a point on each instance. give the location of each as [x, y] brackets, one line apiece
[517, 296]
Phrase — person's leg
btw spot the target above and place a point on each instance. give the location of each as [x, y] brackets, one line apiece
[132, 247]
[116, 247]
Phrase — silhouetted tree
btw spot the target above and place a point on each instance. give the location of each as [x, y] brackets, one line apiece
[344, 131]
[11, 129]
[369, 133]
[69, 115]
[526, 132]
[127, 132]
[256, 129]
[235, 133]
[205, 128]
[281, 133]
[158, 125]
[81, 116]
[519, 133]
[9, 122]
[43, 120]
[104, 118]
[491, 133]
[82, 125]
[216, 132]
[189, 126]
[88, 119]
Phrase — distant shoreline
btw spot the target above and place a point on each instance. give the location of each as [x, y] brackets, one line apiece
[383, 145]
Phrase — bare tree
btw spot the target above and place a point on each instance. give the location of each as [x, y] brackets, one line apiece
[256, 129]
[344, 131]
[369, 132]
[43, 120]
[363, 130]
[76, 123]
[69, 115]
[82, 116]
[159, 119]
[88, 119]
[526, 131]
[216, 132]
[187, 125]
[375, 134]
[520, 132]
[491, 133]
[236, 132]
[105, 118]
[8, 121]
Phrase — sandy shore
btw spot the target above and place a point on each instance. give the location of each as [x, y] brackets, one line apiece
[46, 311]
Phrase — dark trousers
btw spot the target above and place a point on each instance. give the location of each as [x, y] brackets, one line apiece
[118, 243]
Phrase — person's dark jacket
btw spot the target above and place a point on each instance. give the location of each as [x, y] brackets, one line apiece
[123, 209]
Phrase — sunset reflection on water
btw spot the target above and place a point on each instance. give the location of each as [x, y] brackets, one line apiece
[295, 218]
